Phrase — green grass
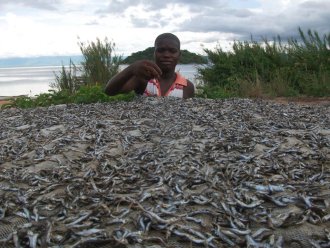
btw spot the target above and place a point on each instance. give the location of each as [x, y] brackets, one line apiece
[270, 68]
[85, 95]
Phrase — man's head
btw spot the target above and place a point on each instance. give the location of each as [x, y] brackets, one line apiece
[167, 51]
[168, 36]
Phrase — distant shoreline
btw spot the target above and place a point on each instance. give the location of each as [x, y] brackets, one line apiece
[34, 80]
[20, 62]
[46, 61]
[5, 98]
[31, 67]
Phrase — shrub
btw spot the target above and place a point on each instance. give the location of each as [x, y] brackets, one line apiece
[100, 64]
[85, 94]
[296, 67]
[67, 79]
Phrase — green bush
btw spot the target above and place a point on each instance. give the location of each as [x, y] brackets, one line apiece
[42, 100]
[85, 95]
[100, 64]
[67, 79]
[92, 94]
[213, 92]
[292, 68]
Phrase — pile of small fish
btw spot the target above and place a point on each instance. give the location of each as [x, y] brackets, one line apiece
[166, 172]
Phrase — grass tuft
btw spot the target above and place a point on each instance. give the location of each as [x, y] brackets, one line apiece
[270, 68]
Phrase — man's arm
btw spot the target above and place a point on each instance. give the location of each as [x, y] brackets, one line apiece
[133, 77]
[122, 82]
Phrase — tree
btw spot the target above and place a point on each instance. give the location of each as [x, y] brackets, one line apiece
[186, 57]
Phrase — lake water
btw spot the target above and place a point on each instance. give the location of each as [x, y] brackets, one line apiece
[32, 81]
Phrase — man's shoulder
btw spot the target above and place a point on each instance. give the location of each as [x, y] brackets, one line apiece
[180, 79]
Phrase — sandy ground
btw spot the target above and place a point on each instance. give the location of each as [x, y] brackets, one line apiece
[5, 99]
[303, 100]
[4, 102]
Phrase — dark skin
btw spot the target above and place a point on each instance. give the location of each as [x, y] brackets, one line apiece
[136, 76]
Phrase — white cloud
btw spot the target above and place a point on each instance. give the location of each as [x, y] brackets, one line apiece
[46, 27]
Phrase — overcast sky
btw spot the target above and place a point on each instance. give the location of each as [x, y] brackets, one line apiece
[52, 27]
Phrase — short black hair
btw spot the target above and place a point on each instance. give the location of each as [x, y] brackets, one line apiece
[167, 36]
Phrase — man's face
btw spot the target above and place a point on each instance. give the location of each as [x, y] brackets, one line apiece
[167, 54]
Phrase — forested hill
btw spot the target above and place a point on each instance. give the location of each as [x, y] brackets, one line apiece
[186, 57]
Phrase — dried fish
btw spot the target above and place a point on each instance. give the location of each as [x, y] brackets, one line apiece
[165, 172]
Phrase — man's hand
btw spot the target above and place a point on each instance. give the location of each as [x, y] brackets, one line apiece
[146, 70]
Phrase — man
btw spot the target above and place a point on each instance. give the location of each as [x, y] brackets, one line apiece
[154, 78]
